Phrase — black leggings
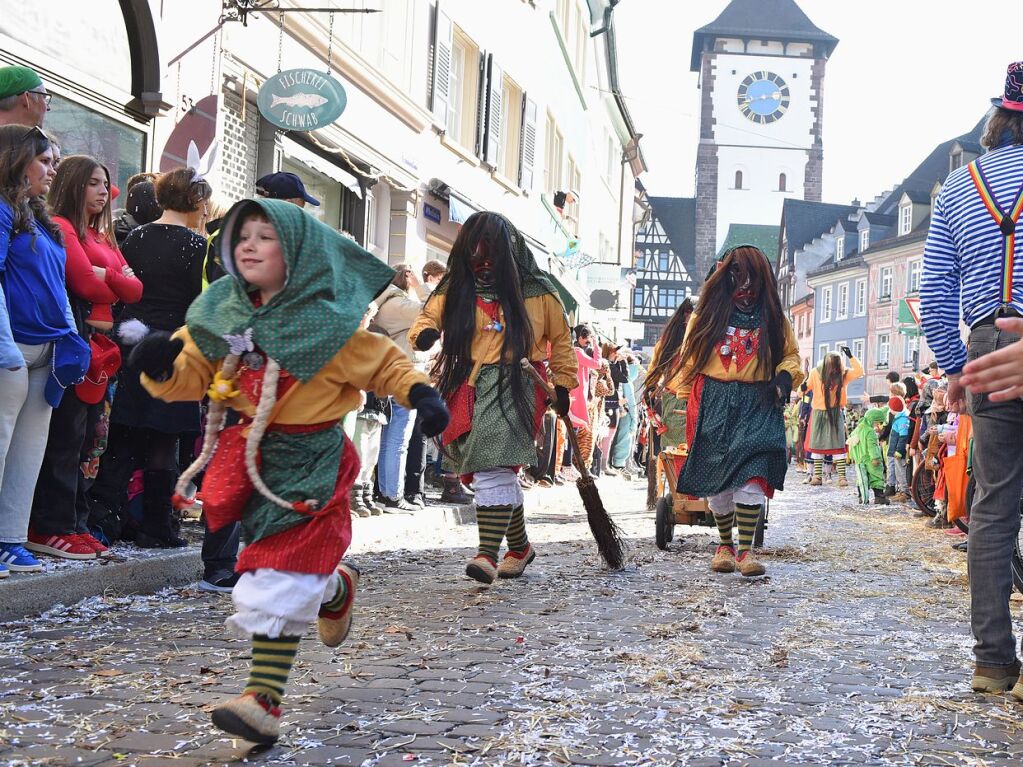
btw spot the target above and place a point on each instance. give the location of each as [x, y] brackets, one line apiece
[130, 449]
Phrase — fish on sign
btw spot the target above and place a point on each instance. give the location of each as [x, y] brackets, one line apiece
[301, 99]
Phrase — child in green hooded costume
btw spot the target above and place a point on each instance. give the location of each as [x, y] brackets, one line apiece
[865, 452]
[279, 340]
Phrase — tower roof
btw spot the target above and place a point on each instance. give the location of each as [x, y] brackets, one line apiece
[762, 19]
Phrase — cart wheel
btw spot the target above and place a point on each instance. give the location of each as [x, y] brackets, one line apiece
[665, 523]
[758, 535]
[922, 489]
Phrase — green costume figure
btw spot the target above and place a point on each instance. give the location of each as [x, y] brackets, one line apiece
[865, 452]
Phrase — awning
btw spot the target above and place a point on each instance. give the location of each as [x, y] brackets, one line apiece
[296, 151]
[909, 317]
[459, 209]
[566, 297]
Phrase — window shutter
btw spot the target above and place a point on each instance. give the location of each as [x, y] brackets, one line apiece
[481, 105]
[527, 151]
[443, 36]
[495, 80]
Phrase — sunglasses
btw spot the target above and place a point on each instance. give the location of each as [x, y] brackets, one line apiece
[46, 97]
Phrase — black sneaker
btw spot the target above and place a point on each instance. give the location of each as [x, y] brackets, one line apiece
[397, 506]
[222, 586]
[416, 500]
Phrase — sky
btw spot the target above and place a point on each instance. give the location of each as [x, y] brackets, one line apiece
[906, 76]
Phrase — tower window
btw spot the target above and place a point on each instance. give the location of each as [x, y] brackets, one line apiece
[782, 187]
[738, 179]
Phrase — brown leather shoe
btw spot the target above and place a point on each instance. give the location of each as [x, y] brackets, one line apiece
[514, 562]
[724, 560]
[815, 482]
[996, 679]
[482, 568]
[333, 626]
[749, 565]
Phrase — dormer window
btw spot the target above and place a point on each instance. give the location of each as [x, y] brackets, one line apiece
[955, 158]
[839, 247]
[864, 239]
[905, 218]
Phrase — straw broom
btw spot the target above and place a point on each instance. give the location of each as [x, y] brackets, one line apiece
[605, 532]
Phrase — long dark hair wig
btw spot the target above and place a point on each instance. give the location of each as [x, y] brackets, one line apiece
[19, 146]
[715, 309]
[832, 379]
[671, 341]
[458, 320]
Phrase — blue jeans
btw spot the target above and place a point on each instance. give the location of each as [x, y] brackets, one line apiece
[394, 451]
[994, 517]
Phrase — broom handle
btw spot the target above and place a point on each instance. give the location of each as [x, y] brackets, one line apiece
[577, 457]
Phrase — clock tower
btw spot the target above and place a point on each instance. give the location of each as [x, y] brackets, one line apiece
[761, 65]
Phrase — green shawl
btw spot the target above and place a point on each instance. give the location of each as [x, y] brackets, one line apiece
[330, 283]
[535, 281]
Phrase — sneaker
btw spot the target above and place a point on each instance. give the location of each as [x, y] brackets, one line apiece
[418, 500]
[961, 546]
[4, 572]
[954, 531]
[724, 560]
[570, 473]
[97, 545]
[18, 559]
[397, 506]
[222, 586]
[482, 568]
[255, 718]
[514, 562]
[333, 626]
[994, 679]
[749, 565]
[63, 546]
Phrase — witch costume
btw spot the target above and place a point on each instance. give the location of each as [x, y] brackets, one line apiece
[292, 367]
[826, 434]
[486, 441]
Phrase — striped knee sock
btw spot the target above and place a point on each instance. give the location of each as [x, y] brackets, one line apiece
[725, 525]
[840, 468]
[272, 659]
[517, 538]
[746, 518]
[818, 468]
[492, 522]
[338, 601]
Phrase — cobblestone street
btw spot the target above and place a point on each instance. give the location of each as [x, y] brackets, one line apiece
[854, 650]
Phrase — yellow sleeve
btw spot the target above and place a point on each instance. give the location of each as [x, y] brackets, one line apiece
[564, 364]
[855, 370]
[430, 317]
[373, 362]
[790, 363]
[679, 385]
[191, 378]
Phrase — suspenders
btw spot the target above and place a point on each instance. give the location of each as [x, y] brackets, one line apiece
[1007, 223]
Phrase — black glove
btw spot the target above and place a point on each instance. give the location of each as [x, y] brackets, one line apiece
[561, 401]
[778, 391]
[154, 355]
[426, 339]
[847, 352]
[433, 413]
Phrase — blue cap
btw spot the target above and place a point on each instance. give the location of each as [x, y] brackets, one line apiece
[284, 186]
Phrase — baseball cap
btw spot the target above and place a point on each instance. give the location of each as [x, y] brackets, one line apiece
[15, 80]
[284, 186]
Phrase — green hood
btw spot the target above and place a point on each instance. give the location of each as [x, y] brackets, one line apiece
[535, 281]
[875, 415]
[330, 283]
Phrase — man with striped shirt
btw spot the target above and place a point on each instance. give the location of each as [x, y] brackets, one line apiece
[973, 268]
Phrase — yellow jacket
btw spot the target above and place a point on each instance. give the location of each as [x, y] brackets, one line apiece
[816, 385]
[367, 361]
[547, 317]
[749, 374]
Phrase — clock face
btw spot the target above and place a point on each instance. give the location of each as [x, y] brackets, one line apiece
[763, 97]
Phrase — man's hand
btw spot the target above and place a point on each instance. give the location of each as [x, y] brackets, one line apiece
[955, 399]
[1000, 373]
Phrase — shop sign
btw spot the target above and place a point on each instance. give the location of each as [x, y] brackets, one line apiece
[431, 213]
[301, 99]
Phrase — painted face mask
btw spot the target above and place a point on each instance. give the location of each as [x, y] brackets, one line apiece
[744, 295]
[482, 265]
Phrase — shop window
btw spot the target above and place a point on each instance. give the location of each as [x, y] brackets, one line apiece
[81, 131]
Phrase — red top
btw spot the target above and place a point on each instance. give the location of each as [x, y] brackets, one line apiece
[83, 282]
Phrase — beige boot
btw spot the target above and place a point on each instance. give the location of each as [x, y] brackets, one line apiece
[749, 565]
[991, 679]
[514, 562]
[482, 568]
[334, 626]
[1017, 692]
[815, 482]
[254, 718]
[724, 560]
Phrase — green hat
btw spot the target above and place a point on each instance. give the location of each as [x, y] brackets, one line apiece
[15, 80]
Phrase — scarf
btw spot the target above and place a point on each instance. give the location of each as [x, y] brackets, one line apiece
[330, 282]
